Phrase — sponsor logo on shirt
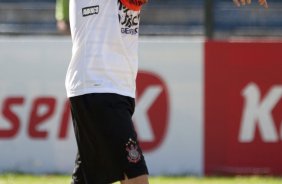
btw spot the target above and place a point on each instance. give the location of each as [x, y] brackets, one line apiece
[129, 20]
[90, 10]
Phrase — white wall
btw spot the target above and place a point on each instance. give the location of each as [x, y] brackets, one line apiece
[33, 68]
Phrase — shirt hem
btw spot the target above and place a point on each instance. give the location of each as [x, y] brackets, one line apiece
[102, 90]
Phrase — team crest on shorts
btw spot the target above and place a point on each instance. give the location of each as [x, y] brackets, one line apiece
[133, 154]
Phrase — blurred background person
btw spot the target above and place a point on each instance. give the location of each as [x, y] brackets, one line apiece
[62, 16]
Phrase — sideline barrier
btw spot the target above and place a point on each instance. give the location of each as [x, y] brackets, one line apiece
[202, 108]
[243, 91]
[35, 126]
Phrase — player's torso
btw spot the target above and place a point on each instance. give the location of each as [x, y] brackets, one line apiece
[105, 44]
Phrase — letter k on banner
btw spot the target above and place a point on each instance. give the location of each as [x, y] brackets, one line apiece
[151, 117]
[243, 108]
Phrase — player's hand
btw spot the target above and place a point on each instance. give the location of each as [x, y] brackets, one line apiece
[141, 2]
[244, 2]
[134, 4]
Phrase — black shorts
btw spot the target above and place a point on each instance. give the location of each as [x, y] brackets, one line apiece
[108, 149]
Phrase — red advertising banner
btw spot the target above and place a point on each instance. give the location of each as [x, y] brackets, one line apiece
[243, 108]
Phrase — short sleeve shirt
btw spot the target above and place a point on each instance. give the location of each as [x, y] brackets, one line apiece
[105, 48]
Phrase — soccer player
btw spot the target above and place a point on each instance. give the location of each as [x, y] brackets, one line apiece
[244, 2]
[100, 84]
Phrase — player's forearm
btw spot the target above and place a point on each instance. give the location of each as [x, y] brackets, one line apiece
[134, 4]
[138, 2]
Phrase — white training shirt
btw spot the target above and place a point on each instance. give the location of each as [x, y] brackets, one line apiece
[105, 48]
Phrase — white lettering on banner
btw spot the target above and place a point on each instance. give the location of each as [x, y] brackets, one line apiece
[258, 112]
[143, 104]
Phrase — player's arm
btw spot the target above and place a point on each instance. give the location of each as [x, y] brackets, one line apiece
[134, 4]
[139, 2]
[244, 2]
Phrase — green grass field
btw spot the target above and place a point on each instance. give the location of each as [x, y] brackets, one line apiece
[58, 179]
